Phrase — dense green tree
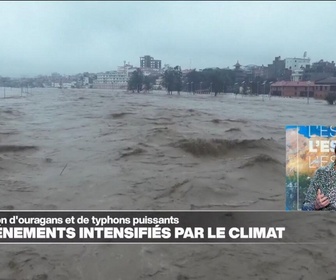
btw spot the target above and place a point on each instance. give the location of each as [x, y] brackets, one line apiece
[214, 79]
[136, 81]
[331, 98]
[6, 82]
[177, 79]
[193, 79]
[168, 80]
[256, 85]
[149, 81]
[172, 79]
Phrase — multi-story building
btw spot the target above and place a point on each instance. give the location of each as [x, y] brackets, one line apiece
[127, 69]
[149, 62]
[320, 70]
[296, 63]
[277, 70]
[259, 71]
[297, 75]
[111, 79]
[296, 66]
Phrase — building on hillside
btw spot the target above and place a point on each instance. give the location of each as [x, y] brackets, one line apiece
[293, 89]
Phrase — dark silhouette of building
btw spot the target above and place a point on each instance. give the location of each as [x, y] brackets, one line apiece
[319, 70]
[239, 73]
[277, 70]
[149, 62]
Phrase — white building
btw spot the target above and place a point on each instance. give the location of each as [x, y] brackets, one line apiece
[86, 81]
[69, 85]
[111, 79]
[296, 63]
[297, 75]
[55, 85]
[150, 71]
[127, 69]
[64, 85]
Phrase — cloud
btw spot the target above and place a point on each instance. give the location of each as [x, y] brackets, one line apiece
[71, 37]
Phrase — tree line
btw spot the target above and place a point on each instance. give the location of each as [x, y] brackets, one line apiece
[214, 80]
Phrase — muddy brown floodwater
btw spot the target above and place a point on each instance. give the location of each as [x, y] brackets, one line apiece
[101, 149]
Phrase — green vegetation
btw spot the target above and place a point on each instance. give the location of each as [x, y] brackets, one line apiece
[331, 98]
[172, 79]
[136, 81]
[149, 82]
[213, 79]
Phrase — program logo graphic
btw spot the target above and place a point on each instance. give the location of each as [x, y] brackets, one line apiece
[308, 148]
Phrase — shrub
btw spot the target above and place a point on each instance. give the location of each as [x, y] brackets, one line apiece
[331, 98]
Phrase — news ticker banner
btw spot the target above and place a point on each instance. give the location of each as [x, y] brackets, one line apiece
[54, 227]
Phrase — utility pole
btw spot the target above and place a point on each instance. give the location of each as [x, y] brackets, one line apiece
[264, 83]
[308, 92]
[236, 90]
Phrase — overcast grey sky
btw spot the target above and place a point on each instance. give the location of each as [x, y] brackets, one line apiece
[75, 37]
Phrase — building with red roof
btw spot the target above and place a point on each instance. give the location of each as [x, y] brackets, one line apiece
[324, 86]
[293, 88]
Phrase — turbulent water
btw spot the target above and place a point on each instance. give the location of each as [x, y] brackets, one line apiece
[97, 149]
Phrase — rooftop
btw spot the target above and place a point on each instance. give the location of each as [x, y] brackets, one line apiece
[330, 80]
[293, 84]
